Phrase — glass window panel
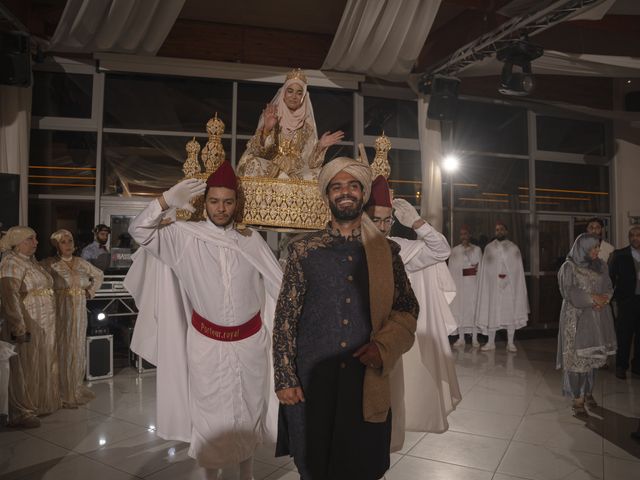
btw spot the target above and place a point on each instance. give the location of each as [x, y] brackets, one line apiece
[406, 174]
[570, 136]
[144, 164]
[493, 183]
[47, 216]
[62, 95]
[333, 110]
[166, 103]
[252, 98]
[62, 162]
[396, 118]
[485, 127]
[572, 187]
[483, 225]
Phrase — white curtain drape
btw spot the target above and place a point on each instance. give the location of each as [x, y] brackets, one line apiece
[381, 38]
[124, 26]
[15, 124]
[560, 63]
[430, 140]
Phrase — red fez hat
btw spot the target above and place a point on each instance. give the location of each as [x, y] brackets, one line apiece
[380, 194]
[500, 222]
[465, 227]
[224, 176]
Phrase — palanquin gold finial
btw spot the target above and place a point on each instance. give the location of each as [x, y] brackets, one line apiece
[191, 165]
[212, 156]
[298, 74]
[380, 165]
[213, 152]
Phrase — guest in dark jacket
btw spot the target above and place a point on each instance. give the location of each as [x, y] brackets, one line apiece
[624, 269]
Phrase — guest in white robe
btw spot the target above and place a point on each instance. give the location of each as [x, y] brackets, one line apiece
[213, 361]
[463, 266]
[502, 293]
[427, 373]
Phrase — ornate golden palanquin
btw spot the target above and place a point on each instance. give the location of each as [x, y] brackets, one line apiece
[266, 202]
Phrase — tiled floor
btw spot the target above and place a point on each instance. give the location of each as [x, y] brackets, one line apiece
[511, 424]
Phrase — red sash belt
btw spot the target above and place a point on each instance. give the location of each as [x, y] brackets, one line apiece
[467, 272]
[502, 275]
[226, 334]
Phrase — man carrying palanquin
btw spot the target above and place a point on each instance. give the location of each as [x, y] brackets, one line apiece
[206, 292]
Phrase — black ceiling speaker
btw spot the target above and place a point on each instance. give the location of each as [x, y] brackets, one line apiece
[15, 59]
[443, 104]
[632, 101]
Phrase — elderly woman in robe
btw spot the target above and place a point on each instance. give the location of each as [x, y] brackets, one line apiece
[586, 335]
[286, 143]
[28, 308]
[74, 281]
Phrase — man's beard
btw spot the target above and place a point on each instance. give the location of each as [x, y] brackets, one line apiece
[346, 214]
[226, 222]
[501, 237]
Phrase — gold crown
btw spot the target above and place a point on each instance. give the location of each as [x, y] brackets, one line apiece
[298, 74]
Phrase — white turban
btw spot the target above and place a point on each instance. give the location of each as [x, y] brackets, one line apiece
[359, 170]
[14, 236]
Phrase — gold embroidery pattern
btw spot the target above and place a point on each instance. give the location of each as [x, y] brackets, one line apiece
[283, 203]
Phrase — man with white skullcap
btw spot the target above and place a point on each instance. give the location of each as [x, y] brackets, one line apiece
[345, 315]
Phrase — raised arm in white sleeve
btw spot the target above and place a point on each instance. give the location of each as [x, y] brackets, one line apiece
[163, 240]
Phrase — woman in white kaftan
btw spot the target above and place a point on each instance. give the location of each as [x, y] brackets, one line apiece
[463, 266]
[28, 308]
[74, 281]
[585, 335]
[213, 394]
[286, 143]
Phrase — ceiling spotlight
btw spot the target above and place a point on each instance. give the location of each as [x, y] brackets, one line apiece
[450, 163]
[518, 54]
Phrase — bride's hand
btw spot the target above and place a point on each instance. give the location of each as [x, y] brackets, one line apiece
[329, 138]
[270, 116]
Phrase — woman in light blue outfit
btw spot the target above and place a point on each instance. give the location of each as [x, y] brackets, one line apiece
[586, 335]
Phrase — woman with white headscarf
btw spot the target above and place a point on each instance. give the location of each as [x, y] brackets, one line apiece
[74, 281]
[286, 143]
[586, 335]
[28, 308]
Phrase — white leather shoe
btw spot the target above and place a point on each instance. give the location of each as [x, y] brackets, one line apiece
[488, 347]
[459, 343]
[475, 344]
[511, 348]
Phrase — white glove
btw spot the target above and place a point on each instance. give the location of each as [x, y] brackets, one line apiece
[404, 212]
[180, 194]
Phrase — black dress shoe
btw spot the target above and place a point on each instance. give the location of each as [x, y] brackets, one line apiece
[621, 373]
[635, 435]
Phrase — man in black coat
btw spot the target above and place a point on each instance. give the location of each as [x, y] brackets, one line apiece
[624, 269]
